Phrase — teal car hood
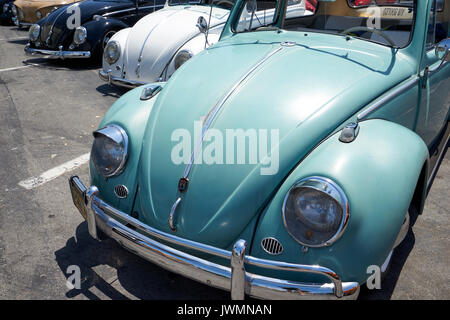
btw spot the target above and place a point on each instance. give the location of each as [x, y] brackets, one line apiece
[298, 96]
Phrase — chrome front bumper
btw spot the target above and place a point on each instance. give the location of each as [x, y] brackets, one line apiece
[56, 54]
[106, 76]
[139, 238]
[21, 24]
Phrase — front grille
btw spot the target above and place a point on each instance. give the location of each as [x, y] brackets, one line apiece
[121, 191]
[272, 246]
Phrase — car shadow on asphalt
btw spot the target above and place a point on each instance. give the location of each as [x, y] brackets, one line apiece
[132, 277]
[111, 91]
[63, 64]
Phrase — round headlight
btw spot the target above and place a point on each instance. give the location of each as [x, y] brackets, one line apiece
[182, 57]
[112, 52]
[109, 151]
[34, 32]
[80, 35]
[14, 10]
[315, 212]
[21, 15]
[39, 15]
[5, 7]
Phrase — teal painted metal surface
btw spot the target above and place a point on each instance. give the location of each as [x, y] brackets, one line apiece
[306, 92]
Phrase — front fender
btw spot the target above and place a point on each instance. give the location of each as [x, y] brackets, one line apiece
[131, 113]
[378, 172]
[97, 28]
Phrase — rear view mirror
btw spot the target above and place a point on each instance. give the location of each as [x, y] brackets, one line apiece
[202, 25]
[443, 50]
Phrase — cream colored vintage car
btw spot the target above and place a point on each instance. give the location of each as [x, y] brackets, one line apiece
[27, 12]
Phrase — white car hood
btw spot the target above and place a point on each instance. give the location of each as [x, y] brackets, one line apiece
[153, 41]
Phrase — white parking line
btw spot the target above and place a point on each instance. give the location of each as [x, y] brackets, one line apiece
[15, 68]
[14, 39]
[51, 174]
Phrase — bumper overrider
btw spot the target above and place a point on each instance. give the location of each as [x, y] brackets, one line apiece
[56, 54]
[139, 238]
[106, 76]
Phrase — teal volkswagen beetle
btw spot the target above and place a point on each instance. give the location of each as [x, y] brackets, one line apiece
[283, 161]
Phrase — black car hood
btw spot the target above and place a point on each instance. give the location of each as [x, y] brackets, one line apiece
[56, 22]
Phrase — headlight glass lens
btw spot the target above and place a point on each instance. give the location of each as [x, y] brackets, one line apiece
[14, 10]
[39, 15]
[182, 57]
[21, 15]
[5, 7]
[34, 32]
[80, 35]
[112, 52]
[315, 212]
[109, 151]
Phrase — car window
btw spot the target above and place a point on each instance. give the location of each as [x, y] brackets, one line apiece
[387, 22]
[438, 28]
[226, 4]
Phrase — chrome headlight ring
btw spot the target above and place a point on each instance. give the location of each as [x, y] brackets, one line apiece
[34, 32]
[112, 52]
[110, 150]
[5, 7]
[79, 35]
[14, 10]
[182, 57]
[303, 212]
[38, 15]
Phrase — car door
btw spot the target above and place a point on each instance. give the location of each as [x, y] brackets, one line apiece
[435, 94]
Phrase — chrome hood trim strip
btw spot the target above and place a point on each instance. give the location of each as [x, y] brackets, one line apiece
[138, 68]
[379, 102]
[214, 111]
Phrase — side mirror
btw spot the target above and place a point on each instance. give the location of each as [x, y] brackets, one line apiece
[443, 50]
[202, 25]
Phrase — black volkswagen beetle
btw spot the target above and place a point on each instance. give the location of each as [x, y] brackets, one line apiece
[81, 30]
[6, 11]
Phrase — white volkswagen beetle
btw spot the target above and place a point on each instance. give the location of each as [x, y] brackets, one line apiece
[162, 41]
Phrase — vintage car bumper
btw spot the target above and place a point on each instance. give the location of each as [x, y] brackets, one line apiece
[56, 53]
[139, 238]
[106, 76]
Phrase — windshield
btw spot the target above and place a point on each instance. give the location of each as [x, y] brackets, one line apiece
[226, 4]
[387, 22]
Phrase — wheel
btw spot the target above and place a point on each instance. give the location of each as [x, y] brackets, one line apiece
[98, 55]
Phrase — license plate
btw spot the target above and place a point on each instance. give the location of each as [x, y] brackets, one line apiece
[78, 200]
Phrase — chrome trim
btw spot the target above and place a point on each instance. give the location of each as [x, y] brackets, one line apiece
[119, 136]
[56, 53]
[139, 238]
[172, 214]
[381, 101]
[438, 161]
[403, 231]
[56, 19]
[131, 9]
[270, 244]
[213, 112]
[124, 188]
[189, 52]
[237, 263]
[335, 192]
[138, 68]
[107, 77]
[150, 91]
[349, 132]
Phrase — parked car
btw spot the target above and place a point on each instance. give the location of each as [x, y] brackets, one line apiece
[58, 36]
[334, 131]
[6, 14]
[161, 42]
[27, 12]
